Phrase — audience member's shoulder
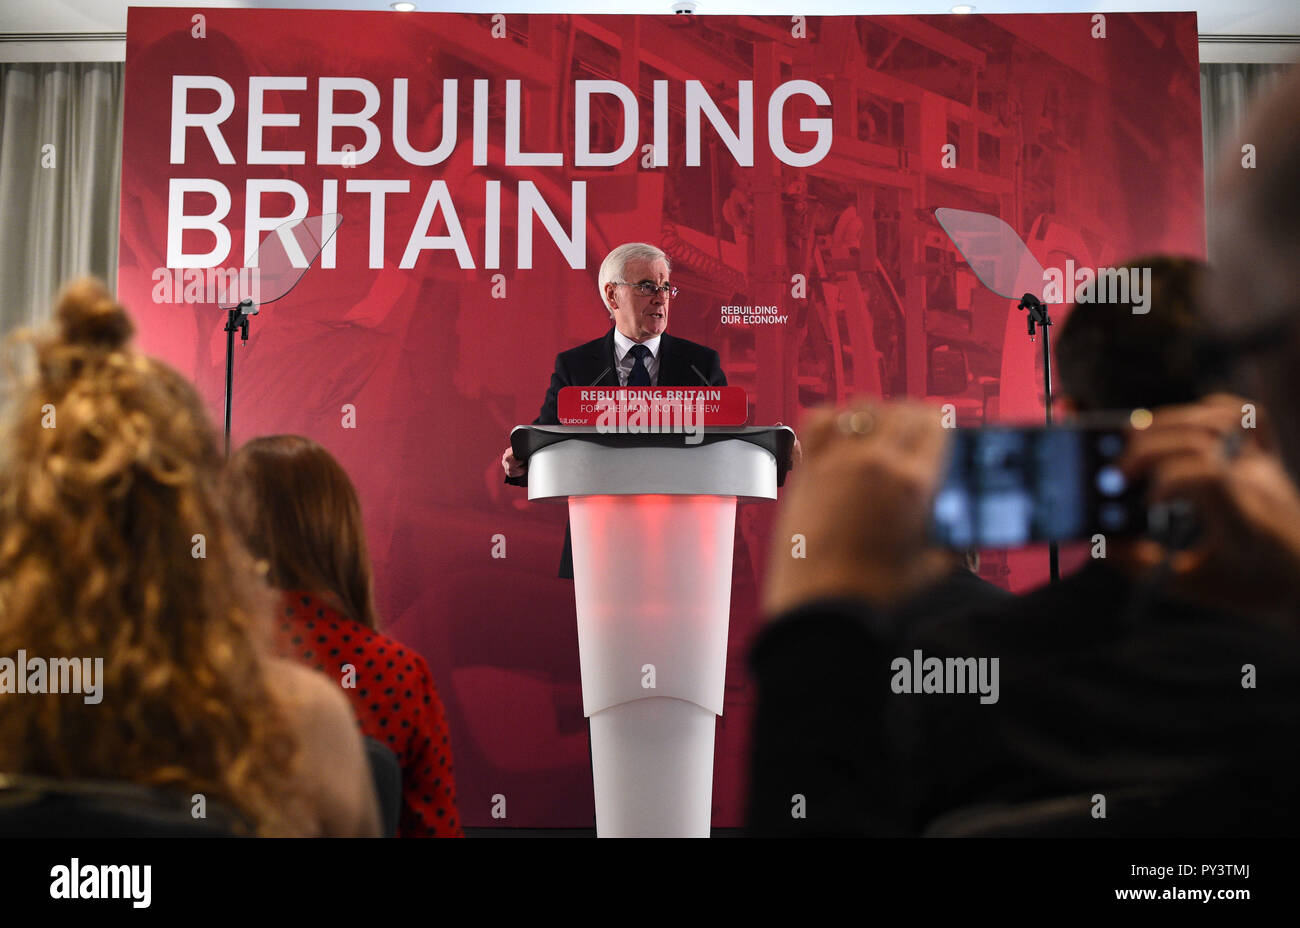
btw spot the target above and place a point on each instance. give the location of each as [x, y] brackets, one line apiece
[965, 611]
[1095, 576]
[405, 661]
[960, 593]
[400, 657]
[331, 762]
[316, 707]
[1100, 605]
[836, 621]
[1097, 589]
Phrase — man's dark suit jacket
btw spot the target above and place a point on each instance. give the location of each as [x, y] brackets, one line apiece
[592, 365]
[1099, 692]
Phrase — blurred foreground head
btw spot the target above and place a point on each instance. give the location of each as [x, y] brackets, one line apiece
[113, 545]
[297, 511]
[1112, 358]
[1255, 289]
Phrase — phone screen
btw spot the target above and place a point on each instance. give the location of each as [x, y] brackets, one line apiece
[1007, 487]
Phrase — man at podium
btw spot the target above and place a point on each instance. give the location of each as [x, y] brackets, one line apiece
[635, 352]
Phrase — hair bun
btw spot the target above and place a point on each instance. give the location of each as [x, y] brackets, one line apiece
[87, 314]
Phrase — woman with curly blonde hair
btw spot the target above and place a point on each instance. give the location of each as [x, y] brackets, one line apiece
[114, 545]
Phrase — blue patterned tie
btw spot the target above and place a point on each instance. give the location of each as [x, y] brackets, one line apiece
[640, 376]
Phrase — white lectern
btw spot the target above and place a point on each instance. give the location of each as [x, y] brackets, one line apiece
[653, 520]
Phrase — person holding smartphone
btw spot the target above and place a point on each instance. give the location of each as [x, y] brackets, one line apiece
[1110, 682]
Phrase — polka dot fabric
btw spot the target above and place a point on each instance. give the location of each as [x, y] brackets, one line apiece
[395, 701]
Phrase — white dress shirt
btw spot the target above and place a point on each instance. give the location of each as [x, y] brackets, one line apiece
[623, 359]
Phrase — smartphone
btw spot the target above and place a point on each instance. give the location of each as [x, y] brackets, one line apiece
[1007, 487]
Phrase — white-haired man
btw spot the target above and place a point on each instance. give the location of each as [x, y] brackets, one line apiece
[636, 351]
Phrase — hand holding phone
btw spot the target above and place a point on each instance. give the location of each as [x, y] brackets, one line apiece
[853, 516]
[1246, 506]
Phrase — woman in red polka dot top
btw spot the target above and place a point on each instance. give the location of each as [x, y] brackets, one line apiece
[299, 515]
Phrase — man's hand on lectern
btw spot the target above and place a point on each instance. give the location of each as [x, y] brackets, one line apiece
[510, 464]
[853, 518]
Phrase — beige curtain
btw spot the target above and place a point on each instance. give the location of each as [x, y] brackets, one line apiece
[1227, 90]
[60, 160]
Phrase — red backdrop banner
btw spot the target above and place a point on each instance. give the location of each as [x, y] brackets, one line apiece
[483, 165]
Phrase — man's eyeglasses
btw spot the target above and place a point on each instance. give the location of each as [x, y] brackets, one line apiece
[645, 288]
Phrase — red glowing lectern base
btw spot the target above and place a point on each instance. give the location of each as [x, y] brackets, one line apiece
[653, 522]
[652, 581]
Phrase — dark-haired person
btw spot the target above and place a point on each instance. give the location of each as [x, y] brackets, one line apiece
[1106, 684]
[300, 516]
[1111, 357]
[110, 472]
[1249, 549]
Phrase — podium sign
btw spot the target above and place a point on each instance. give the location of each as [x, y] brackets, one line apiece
[626, 409]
